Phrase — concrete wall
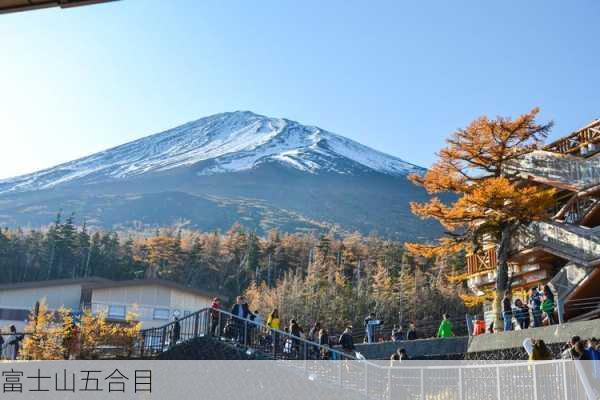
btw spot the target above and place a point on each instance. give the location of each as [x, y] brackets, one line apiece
[145, 300]
[415, 348]
[56, 296]
[550, 334]
[488, 342]
[68, 296]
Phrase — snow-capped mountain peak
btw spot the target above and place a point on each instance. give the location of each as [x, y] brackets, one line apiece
[227, 142]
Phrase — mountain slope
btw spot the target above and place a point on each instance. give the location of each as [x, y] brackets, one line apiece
[206, 174]
[228, 142]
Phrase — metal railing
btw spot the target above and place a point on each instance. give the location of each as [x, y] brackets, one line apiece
[572, 171]
[579, 243]
[255, 337]
[557, 379]
[425, 329]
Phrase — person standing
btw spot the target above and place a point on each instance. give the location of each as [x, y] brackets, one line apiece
[371, 322]
[215, 328]
[522, 314]
[507, 312]
[297, 332]
[445, 329]
[397, 334]
[346, 340]
[323, 338]
[240, 312]
[313, 333]
[411, 334]
[535, 303]
[548, 305]
[540, 351]
[313, 336]
[567, 352]
[274, 323]
[176, 331]
[254, 329]
[11, 344]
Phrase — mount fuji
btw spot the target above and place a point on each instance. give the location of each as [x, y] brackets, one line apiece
[232, 167]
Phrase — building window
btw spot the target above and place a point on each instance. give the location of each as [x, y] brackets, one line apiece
[161, 314]
[13, 315]
[116, 312]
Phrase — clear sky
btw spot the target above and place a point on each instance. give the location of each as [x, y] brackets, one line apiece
[397, 76]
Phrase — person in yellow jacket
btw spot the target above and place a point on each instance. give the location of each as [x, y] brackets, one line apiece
[274, 323]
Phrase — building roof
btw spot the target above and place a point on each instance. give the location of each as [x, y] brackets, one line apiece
[53, 282]
[103, 283]
[7, 6]
[154, 282]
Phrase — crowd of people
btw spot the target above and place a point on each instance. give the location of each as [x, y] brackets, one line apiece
[238, 330]
[270, 336]
[575, 349]
[537, 310]
[246, 326]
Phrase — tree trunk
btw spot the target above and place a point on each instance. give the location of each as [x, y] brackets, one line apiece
[502, 282]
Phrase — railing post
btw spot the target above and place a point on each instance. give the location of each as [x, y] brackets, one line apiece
[366, 380]
[305, 357]
[535, 396]
[219, 325]
[564, 380]
[460, 385]
[196, 317]
[143, 345]
[389, 383]
[422, 395]
[245, 332]
[498, 388]
[207, 322]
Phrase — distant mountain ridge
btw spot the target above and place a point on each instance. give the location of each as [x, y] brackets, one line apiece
[237, 166]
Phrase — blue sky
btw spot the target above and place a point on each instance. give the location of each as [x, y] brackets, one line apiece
[397, 76]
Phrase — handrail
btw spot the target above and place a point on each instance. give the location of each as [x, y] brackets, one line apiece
[556, 169]
[380, 380]
[166, 331]
[552, 235]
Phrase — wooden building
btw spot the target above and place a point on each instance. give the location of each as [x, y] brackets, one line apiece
[564, 250]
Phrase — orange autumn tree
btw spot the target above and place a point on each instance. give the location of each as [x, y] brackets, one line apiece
[489, 202]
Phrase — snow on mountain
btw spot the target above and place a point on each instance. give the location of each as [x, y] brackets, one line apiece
[226, 142]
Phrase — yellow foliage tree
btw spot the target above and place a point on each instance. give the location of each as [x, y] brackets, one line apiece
[56, 336]
[43, 339]
[96, 332]
[490, 202]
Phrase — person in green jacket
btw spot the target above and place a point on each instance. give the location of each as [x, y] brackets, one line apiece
[445, 329]
[548, 305]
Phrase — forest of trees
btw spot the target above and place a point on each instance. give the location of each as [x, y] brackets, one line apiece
[308, 277]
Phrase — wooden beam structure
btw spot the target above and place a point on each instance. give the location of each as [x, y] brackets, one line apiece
[584, 142]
